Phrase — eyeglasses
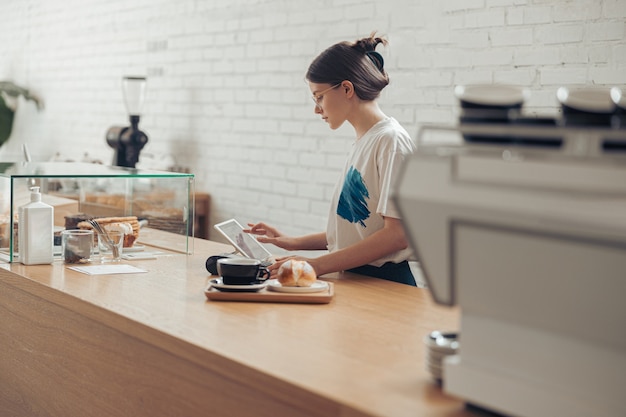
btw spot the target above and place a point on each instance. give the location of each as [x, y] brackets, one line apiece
[317, 99]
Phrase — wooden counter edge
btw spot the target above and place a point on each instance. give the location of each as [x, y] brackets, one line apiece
[208, 365]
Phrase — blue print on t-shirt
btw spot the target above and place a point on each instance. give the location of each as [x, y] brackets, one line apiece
[352, 205]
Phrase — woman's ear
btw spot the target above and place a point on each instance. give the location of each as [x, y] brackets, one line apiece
[348, 88]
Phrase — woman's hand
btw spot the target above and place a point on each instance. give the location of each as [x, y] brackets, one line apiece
[262, 229]
[273, 268]
[269, 234]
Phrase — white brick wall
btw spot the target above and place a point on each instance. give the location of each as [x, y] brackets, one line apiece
[226, 89]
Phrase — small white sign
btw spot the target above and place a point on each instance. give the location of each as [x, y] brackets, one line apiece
[107, 269]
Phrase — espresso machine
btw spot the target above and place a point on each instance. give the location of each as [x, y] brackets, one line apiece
[529, 239]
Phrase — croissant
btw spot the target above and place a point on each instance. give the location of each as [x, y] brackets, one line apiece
[295, 273]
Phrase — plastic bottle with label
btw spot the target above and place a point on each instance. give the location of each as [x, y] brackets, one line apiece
[36, 231]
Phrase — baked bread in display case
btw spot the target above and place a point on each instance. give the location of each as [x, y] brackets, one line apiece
[129, 225]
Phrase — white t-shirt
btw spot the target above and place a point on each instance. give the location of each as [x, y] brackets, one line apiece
[361, 197]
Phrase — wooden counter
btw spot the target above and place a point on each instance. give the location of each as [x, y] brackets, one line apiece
[150, 344]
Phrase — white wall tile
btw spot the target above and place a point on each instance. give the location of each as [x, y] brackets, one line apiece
[226, 89]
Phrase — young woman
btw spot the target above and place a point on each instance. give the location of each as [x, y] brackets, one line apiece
[364, 232]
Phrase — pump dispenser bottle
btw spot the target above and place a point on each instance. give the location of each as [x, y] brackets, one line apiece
[36, 231]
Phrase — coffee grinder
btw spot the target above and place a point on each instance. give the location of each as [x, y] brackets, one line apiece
[128, 141]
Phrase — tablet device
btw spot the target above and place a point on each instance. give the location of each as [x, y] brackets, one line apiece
[244, 242]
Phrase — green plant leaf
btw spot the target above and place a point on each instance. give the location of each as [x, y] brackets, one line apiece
[6, 121]
[14, 90]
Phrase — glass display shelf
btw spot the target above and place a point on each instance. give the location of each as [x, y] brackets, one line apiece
[158, 199]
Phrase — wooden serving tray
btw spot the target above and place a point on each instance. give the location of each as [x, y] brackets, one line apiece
[267, 295]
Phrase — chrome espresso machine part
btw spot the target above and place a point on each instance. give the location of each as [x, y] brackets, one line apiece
[529, 239]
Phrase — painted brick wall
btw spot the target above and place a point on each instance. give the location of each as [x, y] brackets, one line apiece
[226, 90]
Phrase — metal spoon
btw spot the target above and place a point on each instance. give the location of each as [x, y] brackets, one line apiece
[107, 239]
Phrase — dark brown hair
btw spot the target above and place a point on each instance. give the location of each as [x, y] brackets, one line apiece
[357, 62]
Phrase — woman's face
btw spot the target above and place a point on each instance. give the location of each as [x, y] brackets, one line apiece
[330, 103]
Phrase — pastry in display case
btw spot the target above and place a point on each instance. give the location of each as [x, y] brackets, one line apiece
[124, 198]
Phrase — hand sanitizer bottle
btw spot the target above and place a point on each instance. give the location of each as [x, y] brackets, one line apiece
[36, 231]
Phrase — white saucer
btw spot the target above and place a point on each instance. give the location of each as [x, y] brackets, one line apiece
[218, 284]
[491, 94]
[590, 99]
[317, 286]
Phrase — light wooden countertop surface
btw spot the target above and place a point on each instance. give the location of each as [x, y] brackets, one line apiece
[152, 344]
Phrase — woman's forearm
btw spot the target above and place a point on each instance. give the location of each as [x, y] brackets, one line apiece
[388, 240]
[316, 241]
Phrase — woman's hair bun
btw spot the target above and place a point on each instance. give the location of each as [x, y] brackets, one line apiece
[370, 43]
[377, 59]
[368, 47]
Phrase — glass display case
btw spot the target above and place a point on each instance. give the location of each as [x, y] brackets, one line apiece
[77, 191]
